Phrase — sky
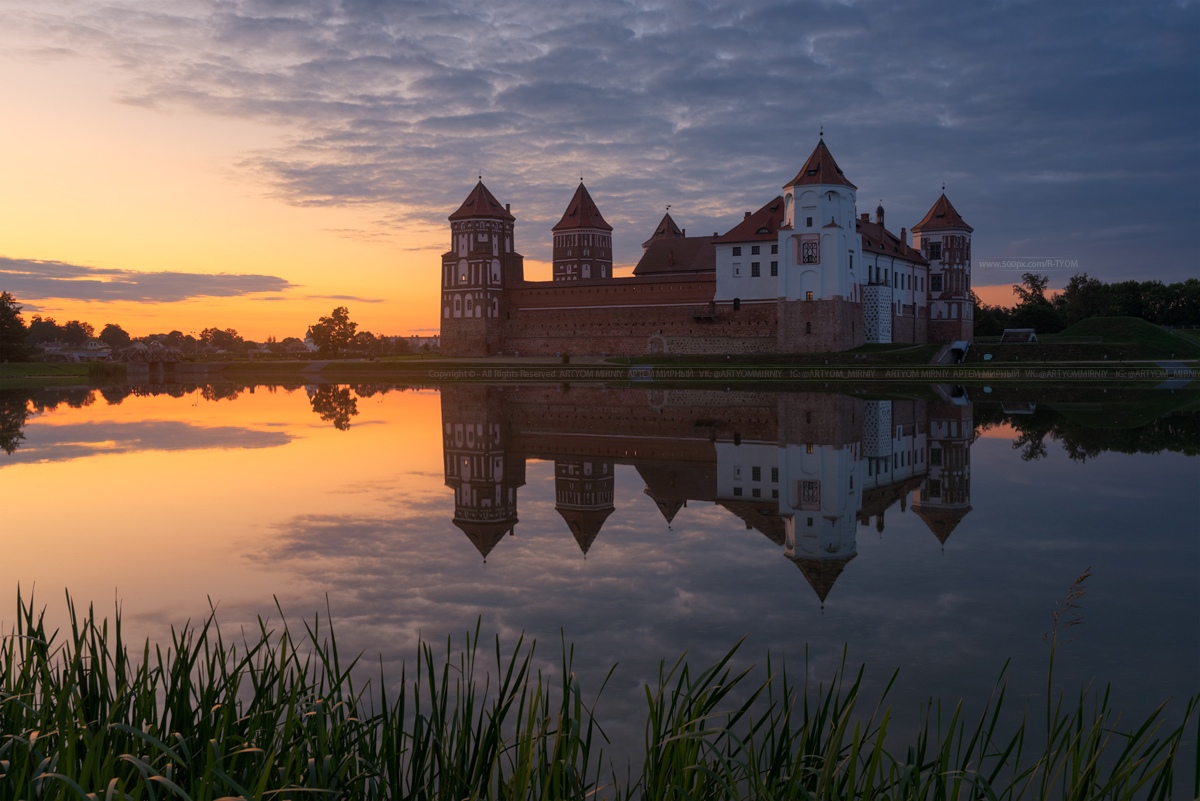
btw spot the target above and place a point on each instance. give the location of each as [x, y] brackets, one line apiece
[255, 163]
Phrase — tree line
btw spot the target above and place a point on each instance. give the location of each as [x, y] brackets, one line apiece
[1175, 304]
[334, 336]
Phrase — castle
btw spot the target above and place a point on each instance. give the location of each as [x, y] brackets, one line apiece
[805, 273]
[806, 470]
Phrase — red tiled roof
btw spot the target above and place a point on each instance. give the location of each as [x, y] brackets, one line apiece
[761, 226]
[821, 573]
[877, 239]
[820, 169]
[942, 216]
[585, 524]
[481, 203]
[582, 213]
[941, 521]
[667, 229]
[691, 254]
[485, 535]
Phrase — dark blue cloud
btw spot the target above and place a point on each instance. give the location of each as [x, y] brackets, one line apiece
[31, 278]
[1059, 129]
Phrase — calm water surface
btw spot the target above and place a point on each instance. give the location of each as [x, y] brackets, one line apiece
[931, 534]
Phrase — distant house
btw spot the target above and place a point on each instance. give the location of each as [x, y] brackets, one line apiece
[93, 350]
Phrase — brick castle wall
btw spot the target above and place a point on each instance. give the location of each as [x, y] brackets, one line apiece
[818, 326]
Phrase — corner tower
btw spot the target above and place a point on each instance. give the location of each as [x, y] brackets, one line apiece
[582, 241]
[820, 309]
[944, 239]
[480, 264]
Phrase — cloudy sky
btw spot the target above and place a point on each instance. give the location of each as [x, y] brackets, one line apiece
[178, 164]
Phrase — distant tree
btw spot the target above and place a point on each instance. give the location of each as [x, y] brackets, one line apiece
[1034, 310]
[42, 330]
[990, 321]
[367, 343]
[335, 333]
[334, 404]
[228, 339]
[115, 336]
[75, 332]
[1083, 297]
[14, 409]
[12, 331]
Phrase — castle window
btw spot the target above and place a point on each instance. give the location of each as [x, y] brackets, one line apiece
[755, 271]
[756, 474]
[808, 328]
[935, 250]
[754, 250]
[808, 222]
[737, 304]
[737, 269]
[935, 488]
[774, 268]
[935, 283]
[774, 248]
[774, 475]
[756, 492]
[737, 492]
[737, 251]
[810, 250]
[808, 296]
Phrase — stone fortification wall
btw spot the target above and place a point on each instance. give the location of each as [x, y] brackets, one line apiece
[950, 330]
[813, 418]
[818, 326]
[909, 328]
[632, 317]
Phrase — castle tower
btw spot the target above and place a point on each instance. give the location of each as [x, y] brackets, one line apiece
[583, 494]
[819, 307]
[667, 229]
[582, 241]
[944, 499]
[820, 498]
[483, 475]
[944, 239]
[481, 262]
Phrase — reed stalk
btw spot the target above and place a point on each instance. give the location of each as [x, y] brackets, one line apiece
[277, 714]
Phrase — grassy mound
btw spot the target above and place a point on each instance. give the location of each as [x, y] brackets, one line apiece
[1153, 339]
[273, 716]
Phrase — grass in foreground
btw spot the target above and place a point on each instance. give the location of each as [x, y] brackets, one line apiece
[275, 716]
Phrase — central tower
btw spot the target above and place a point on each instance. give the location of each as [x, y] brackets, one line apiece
[582, 241]
[481, 262]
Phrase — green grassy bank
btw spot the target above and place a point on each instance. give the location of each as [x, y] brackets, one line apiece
[276, 714]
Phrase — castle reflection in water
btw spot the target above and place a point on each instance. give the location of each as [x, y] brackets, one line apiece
[804, 469]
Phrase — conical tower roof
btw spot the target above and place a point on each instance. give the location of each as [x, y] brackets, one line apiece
[485, 535]
[941, 520]
[582, 213]
[585, 524]
[481, 203]
[820, 169]
[821, 573]
[667, 229]
[943, 216]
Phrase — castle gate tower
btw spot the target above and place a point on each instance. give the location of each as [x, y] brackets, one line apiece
[481, 262]
[582, 241]
[944, 239]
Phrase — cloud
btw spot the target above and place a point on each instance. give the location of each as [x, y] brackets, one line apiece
[1035, 115]
[62, 443]
[32, 278]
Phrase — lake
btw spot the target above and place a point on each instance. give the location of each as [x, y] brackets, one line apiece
[930, 532]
